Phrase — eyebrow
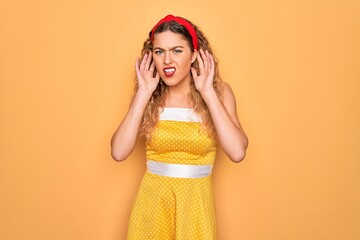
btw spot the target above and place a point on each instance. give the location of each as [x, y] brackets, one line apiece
[170, 48]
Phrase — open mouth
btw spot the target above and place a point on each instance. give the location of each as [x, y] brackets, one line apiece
[169, 72]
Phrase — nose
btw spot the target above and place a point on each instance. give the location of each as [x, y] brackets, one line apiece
[167, 58]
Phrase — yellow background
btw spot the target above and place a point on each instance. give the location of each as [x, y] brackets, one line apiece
[67, 71]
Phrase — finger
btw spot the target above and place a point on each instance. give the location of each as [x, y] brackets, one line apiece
[208, 58]
[152, 67]
[148, 61]
[194, 73]
[208, 55]
[143, 61]
[137, 63]
[204, 59]
[137, 69]
[201, 63]
[212, 68]
[211, 60]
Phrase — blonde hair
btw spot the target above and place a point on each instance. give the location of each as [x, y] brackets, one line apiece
[157, 100]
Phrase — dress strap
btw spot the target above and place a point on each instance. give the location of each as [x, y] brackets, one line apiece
[178, 170]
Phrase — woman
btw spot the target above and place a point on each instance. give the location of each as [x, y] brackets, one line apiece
[183, 109]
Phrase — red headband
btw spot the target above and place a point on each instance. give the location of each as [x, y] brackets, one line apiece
[182, 22]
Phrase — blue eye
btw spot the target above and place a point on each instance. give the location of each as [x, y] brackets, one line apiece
[177, 51]
[157, 52]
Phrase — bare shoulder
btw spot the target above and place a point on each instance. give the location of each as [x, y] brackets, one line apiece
[228, 95]
[229, 102]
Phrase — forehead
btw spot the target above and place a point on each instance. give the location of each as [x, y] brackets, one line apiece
[169, 39]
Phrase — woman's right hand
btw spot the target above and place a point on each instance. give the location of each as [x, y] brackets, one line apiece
[124, 138]
[145, 74]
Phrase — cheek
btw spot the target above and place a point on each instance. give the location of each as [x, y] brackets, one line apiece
[186, 64]
[157, 62]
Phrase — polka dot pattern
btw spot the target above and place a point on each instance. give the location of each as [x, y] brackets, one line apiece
[169, 208]
[181, 142]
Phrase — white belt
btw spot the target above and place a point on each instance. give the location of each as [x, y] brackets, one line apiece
[178, 170]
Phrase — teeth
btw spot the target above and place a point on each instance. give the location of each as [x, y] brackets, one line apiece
[169, 70]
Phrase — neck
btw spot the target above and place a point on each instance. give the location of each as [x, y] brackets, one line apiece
[178, 96]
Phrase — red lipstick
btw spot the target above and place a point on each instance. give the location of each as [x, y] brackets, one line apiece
[169, 71]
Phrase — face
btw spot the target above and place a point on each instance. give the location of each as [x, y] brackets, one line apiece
[172, 57]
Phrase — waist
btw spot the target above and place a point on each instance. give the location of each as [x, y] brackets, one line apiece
[178, 170]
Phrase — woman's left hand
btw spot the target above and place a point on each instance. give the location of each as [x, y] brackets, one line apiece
[204, 81]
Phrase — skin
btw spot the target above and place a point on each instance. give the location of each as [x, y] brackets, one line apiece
[173, 50]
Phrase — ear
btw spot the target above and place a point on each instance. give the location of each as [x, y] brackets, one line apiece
[194, 55]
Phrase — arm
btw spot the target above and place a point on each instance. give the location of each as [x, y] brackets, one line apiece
[231, 136]
[125, 136]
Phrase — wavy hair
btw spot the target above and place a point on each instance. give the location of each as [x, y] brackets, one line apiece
[157, 100]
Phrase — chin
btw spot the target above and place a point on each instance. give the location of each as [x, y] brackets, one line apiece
[170, 82]
[173, 81]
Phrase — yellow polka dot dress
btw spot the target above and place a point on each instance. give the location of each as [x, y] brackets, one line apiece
[176, 207]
